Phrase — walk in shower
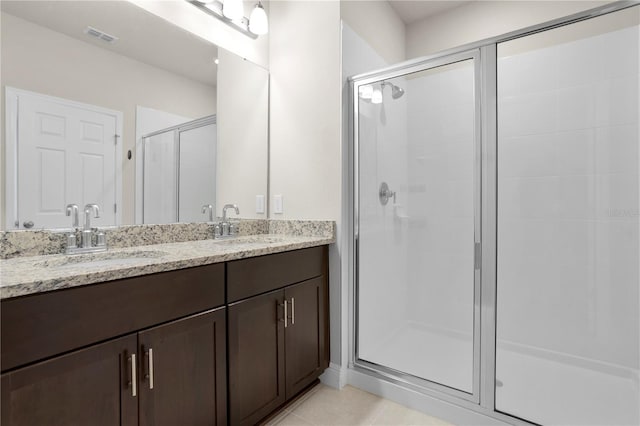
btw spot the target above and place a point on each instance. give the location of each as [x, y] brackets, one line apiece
[496, 260]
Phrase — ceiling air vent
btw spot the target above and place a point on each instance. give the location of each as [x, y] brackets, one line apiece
[93, 32]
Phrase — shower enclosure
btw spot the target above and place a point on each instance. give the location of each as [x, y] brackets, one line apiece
[496, 223]
[179, 172]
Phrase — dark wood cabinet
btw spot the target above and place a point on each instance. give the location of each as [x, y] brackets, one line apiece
[88, 387]
[179, 347]
[95, 383]
[278, 341]
[183, 372]
[305, 335]
[256, 358]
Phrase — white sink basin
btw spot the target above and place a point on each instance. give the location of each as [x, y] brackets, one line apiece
[101, 259]
[251, 239]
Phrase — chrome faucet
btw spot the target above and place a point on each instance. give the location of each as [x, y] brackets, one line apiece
[86, 236]
[226, 229]
[210, 208]
[72, 209]
[87, 233]
[229, 206]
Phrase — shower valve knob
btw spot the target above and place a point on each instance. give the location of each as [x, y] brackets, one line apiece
[385, 193]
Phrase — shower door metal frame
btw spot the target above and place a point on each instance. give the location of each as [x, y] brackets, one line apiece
[482, 402]
[426, 384]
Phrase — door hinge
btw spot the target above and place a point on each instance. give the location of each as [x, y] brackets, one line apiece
[115, 139]
[477, 255]
[115, 208]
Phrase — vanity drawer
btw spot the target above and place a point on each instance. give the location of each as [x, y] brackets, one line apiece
[39, 326]
[256, 275]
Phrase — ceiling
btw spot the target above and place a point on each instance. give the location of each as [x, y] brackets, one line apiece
[417, 10]
[141, 35]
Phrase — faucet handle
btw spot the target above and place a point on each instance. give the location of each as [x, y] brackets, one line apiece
[73, 209]
[210, 208]
[94, 207]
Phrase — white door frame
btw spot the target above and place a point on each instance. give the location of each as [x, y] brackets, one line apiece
[12, 99]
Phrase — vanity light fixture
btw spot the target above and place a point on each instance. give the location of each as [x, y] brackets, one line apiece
[258, 22]
[231, 12]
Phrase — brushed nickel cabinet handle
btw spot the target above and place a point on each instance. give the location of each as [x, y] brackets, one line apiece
[150, 368]
[133, 382]
[286, 324]
[293, 311]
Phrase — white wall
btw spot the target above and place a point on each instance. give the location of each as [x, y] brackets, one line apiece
[378, 24]
[37, 59]
[483, 19]
[243, 134]
[305, 108]
[184, 15]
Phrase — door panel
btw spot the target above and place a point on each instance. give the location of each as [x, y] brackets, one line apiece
[86, 387]
[183, 372]
[418, 205]
[256, 358]
[305, 334]
[66, 154]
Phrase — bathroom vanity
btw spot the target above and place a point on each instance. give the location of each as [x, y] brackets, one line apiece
[226, 335]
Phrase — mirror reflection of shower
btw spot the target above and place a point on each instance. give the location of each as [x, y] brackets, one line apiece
[373, 92]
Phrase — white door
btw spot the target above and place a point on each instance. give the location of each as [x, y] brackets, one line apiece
[66, 154]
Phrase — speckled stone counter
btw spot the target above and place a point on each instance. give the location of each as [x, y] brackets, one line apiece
[28, 275]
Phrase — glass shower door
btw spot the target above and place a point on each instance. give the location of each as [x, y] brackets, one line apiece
[417, 203]
[568, 292]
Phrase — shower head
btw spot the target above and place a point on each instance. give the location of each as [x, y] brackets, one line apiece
[396, 91]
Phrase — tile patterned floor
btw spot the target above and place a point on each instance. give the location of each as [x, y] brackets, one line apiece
[326, 406]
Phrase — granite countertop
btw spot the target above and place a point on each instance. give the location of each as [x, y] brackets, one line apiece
[28, 275]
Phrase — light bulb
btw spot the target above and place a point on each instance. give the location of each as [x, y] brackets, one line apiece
[376, 97]
[233, 9]
[258, 23]
[366, 92]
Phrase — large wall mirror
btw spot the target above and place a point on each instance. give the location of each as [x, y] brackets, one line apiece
[106, 103]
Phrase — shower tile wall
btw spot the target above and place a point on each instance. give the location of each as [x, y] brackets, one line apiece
[568, 235]
[441, 167]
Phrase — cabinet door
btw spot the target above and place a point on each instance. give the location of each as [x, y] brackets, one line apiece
[183, 372]
[305, 335]
[256, 358]
[91, 386]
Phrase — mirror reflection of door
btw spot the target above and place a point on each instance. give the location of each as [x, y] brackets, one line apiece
[66, 154]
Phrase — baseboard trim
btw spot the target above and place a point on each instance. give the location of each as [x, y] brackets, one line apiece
[334, 376]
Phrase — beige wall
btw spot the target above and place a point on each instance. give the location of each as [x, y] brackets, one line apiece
[379, 25]
[37, 59]
[483, 19]
[243, 134]
[304, 57]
